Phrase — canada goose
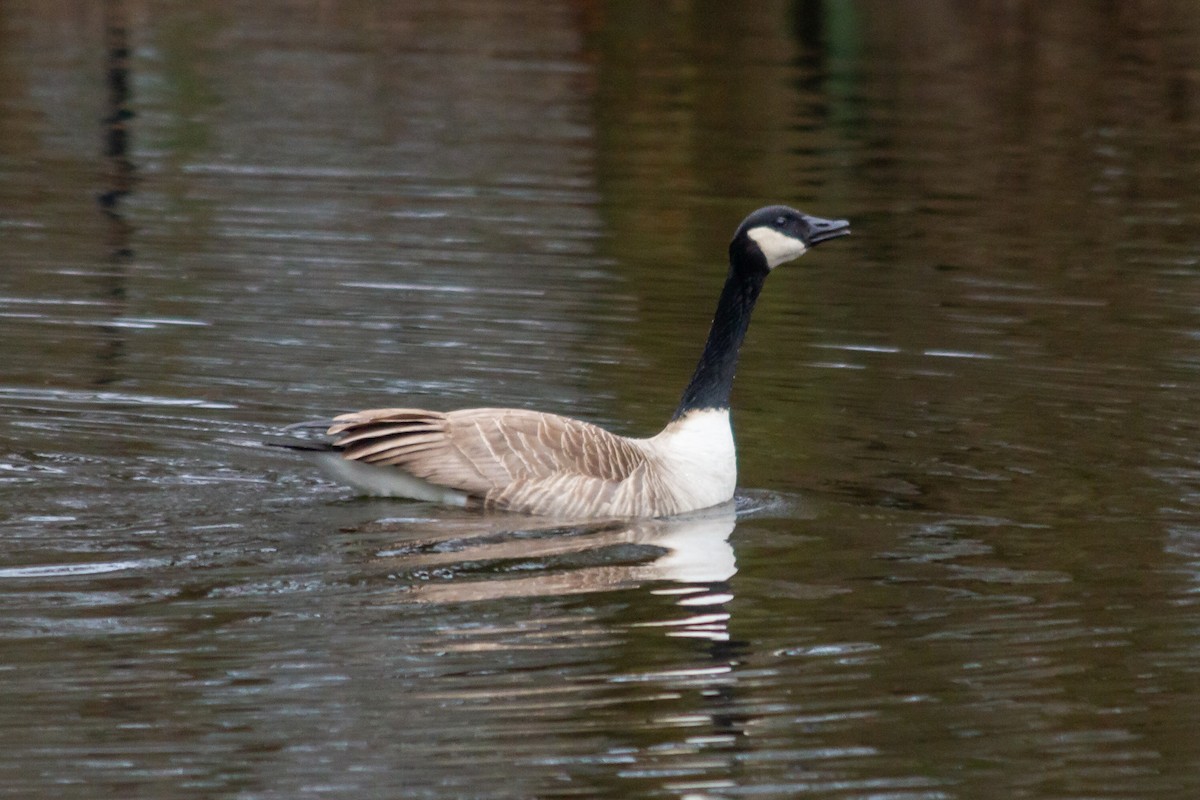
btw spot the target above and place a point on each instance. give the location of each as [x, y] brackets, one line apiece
[540, 463]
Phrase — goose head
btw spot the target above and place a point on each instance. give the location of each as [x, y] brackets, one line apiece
[777, 234]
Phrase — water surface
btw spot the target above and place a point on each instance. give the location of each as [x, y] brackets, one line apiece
[964, 558]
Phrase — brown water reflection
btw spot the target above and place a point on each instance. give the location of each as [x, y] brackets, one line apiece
[966, 552]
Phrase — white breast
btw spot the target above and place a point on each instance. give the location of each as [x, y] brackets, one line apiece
[696, 457]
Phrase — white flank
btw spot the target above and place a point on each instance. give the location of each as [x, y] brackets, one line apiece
[777, 247]
[386, 481]
[696, 458]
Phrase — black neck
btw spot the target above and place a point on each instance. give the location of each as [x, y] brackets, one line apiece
[712, 381]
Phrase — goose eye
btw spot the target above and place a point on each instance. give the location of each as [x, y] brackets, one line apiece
[781, 220]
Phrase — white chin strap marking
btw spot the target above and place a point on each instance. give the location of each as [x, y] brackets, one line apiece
[777, 247]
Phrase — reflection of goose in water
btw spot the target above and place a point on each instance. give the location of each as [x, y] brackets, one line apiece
[672, 656]
[691, 550]
[547, 464]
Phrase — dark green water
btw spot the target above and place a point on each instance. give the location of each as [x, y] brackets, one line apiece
[965, 558]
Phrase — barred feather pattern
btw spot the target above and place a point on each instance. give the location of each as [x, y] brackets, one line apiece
[534, 462]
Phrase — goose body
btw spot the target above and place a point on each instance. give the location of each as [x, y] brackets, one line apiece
[541, 463]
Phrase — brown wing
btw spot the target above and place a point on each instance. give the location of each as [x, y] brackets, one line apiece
[508, 458]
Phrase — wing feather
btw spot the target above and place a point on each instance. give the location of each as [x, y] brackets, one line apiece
[375, 432]
[507, 458]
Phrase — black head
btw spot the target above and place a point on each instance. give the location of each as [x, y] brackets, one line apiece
[781, 234]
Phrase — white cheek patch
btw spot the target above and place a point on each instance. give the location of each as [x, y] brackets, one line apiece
[777, 247]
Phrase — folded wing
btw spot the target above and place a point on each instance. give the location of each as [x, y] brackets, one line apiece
[505, 458]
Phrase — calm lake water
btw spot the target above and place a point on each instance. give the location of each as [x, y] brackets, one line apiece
[964, 561]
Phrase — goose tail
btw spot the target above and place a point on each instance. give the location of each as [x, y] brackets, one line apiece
[308, 437]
